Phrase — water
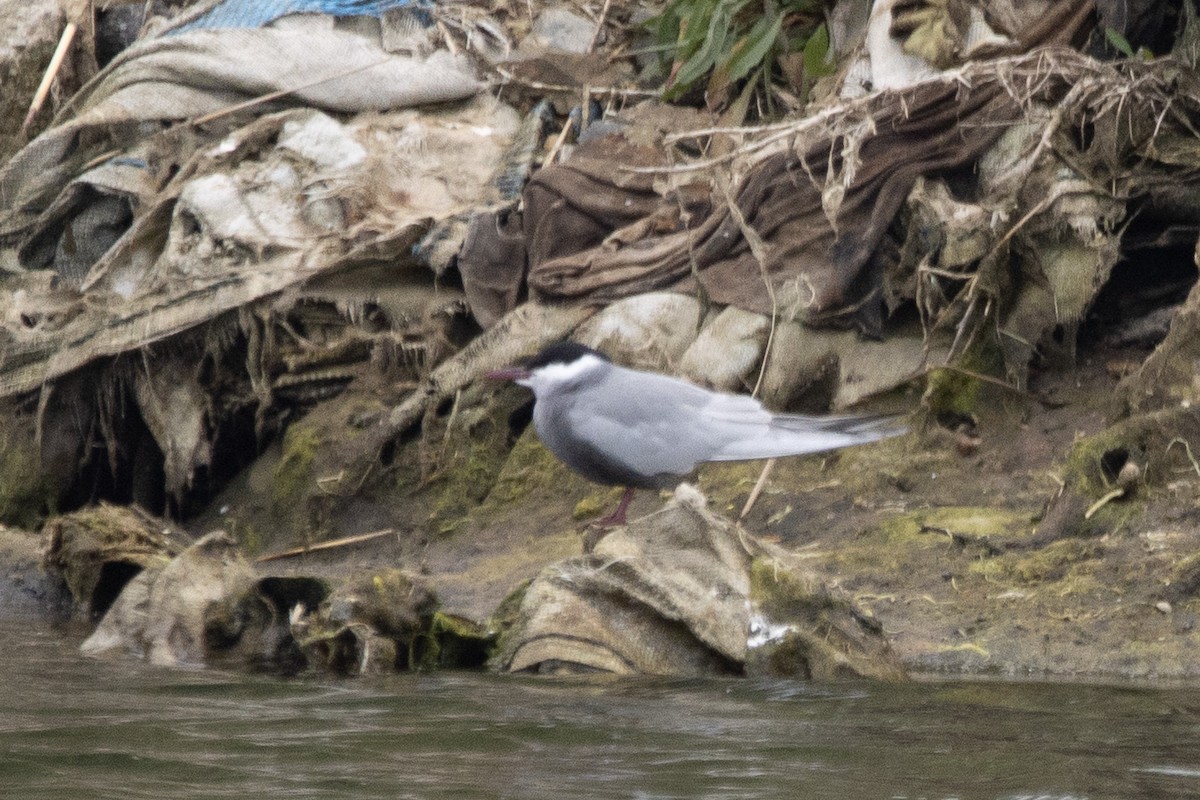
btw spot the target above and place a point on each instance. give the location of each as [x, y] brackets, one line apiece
[76, 728]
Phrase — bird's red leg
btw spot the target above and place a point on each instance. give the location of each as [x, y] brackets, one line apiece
[617, 517]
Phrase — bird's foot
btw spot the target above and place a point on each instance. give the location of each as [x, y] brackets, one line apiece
[617, 517]
[599, 529]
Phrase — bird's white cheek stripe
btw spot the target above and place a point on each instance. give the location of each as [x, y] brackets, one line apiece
[560, 373]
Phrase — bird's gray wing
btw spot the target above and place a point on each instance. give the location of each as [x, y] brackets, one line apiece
[652, 424]
[655, 425]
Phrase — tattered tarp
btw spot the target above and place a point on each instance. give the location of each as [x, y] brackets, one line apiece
[256, 13]
[167, 80]
[820, 265]
[595, 233]
[283, 200]
[685, 592]
[113, 195]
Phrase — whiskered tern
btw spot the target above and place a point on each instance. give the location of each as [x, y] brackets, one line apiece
[643, 430]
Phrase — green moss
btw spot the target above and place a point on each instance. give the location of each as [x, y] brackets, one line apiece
[249, 540]
[900, 530]
[894, 543]
[529, 465]
[396, 601]
[451, 642]
[595, 503]
[976, 523]
[1056, 562]
[904, 529]
[959, 390]
[293, 474]
[966, 647]
[782, 593]
[1151, 441]
[465, 485]
[889, 546]
[505, 480]
[467, 453]
[1083, 470]
[949, 391]
[27, 495]
[727, 483]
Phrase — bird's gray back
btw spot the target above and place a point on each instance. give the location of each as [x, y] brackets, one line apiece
[623, 427]
[629, 428]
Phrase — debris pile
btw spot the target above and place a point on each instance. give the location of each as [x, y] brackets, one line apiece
[258, 262]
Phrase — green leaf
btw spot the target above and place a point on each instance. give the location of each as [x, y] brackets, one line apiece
[724, 41]
[800, 6]
[694, 29]
[752, 49]
[816, 54]
[1119, 42]
[705, 58]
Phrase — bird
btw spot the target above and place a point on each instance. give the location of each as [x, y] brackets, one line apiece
[644, 430]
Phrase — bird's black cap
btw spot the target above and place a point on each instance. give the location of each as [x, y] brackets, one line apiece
[562, 353]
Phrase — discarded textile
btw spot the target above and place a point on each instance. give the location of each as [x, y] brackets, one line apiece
[821, 208]
[167, 80]
[598, 234]
[239, 210]
[98, 550]
[684, 592]
[816, 210]
[295, 201]
[803, 237]
[206, 606]
[369, 625]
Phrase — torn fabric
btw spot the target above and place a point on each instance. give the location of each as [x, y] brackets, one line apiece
[161, 81]
[821, 207]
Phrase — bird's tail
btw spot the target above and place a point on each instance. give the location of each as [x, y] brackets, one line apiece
[796, 434]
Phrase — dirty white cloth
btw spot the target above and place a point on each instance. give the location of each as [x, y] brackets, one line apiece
[204, 71]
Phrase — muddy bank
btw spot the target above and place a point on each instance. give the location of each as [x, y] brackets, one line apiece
[940, 542]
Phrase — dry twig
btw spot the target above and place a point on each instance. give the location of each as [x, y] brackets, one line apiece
[56, 61]
[330, 545]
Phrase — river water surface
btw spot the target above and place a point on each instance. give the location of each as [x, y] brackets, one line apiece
[72, 727]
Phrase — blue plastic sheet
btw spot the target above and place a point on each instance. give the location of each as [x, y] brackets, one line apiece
[256, 13]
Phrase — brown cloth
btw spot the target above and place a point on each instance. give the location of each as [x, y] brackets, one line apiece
[819, 272]
[597, 231]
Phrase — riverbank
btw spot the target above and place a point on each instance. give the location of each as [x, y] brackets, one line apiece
[935, 535]
[246, 326]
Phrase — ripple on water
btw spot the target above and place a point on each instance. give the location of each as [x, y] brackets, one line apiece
[72, 727]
